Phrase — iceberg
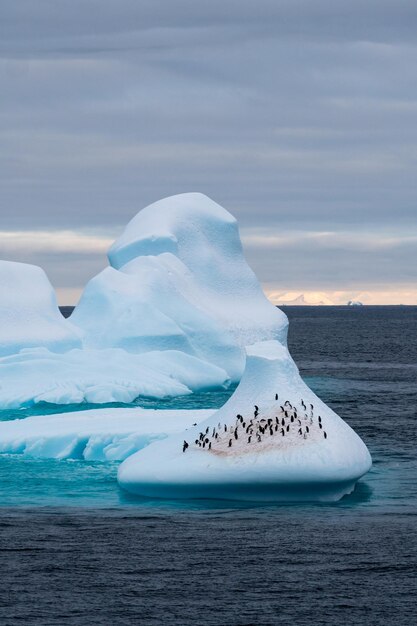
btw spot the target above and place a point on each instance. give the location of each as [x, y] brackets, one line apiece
[29, 314]
[274, 440]
[102, 376]
[93, 435]
[177, 311]
[171, 315]
[178, 280]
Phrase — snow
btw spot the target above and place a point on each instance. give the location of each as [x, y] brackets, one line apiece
[311, 298]
[322, 463]
[29, 315]
[102, 376]
[178, 280]
[94, 435]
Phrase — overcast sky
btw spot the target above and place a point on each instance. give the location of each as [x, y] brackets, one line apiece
[299, 116]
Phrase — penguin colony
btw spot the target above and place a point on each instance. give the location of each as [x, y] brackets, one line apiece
[255, 429]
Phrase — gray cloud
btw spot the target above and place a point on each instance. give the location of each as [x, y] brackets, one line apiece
[297, 116]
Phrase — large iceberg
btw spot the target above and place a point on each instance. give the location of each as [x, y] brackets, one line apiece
[29, 314]
[171, 315]
[274, 440]
[178, 280]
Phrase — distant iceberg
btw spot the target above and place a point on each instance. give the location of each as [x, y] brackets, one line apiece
[302, 299]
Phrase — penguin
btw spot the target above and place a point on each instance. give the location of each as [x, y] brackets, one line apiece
[299, 422]
[292, 418]
[207, 440]
[244, 424]
[283, 422]
[307, 429]
[225, 428]
[230, 443]
[196, 442]
[325, 434]
[282, 408]
[276, 396]
[271, 432]
[249, 438]
[210, 445]
[276, 427]
[236, 437]
[303, 405]
[207, 429]
[288, 428]
[300, 432]
[256, 408]
[320, 425]
[282, 432]
[259, 438]
[319, 418]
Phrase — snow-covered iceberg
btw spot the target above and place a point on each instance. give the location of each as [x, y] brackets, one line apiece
[274, 440]
[102, 376]
[171, 315]
[29, 314]
[178, 280]
[94, 435]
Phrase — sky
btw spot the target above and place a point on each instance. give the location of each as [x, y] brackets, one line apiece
[299, 117]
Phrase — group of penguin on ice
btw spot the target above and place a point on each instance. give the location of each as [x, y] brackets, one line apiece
[257, 428]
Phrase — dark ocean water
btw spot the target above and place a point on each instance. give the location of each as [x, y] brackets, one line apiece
[75, 550]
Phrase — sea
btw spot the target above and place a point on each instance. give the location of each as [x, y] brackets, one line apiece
[76, 550]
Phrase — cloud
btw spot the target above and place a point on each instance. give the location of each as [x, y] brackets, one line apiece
[299, 117]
